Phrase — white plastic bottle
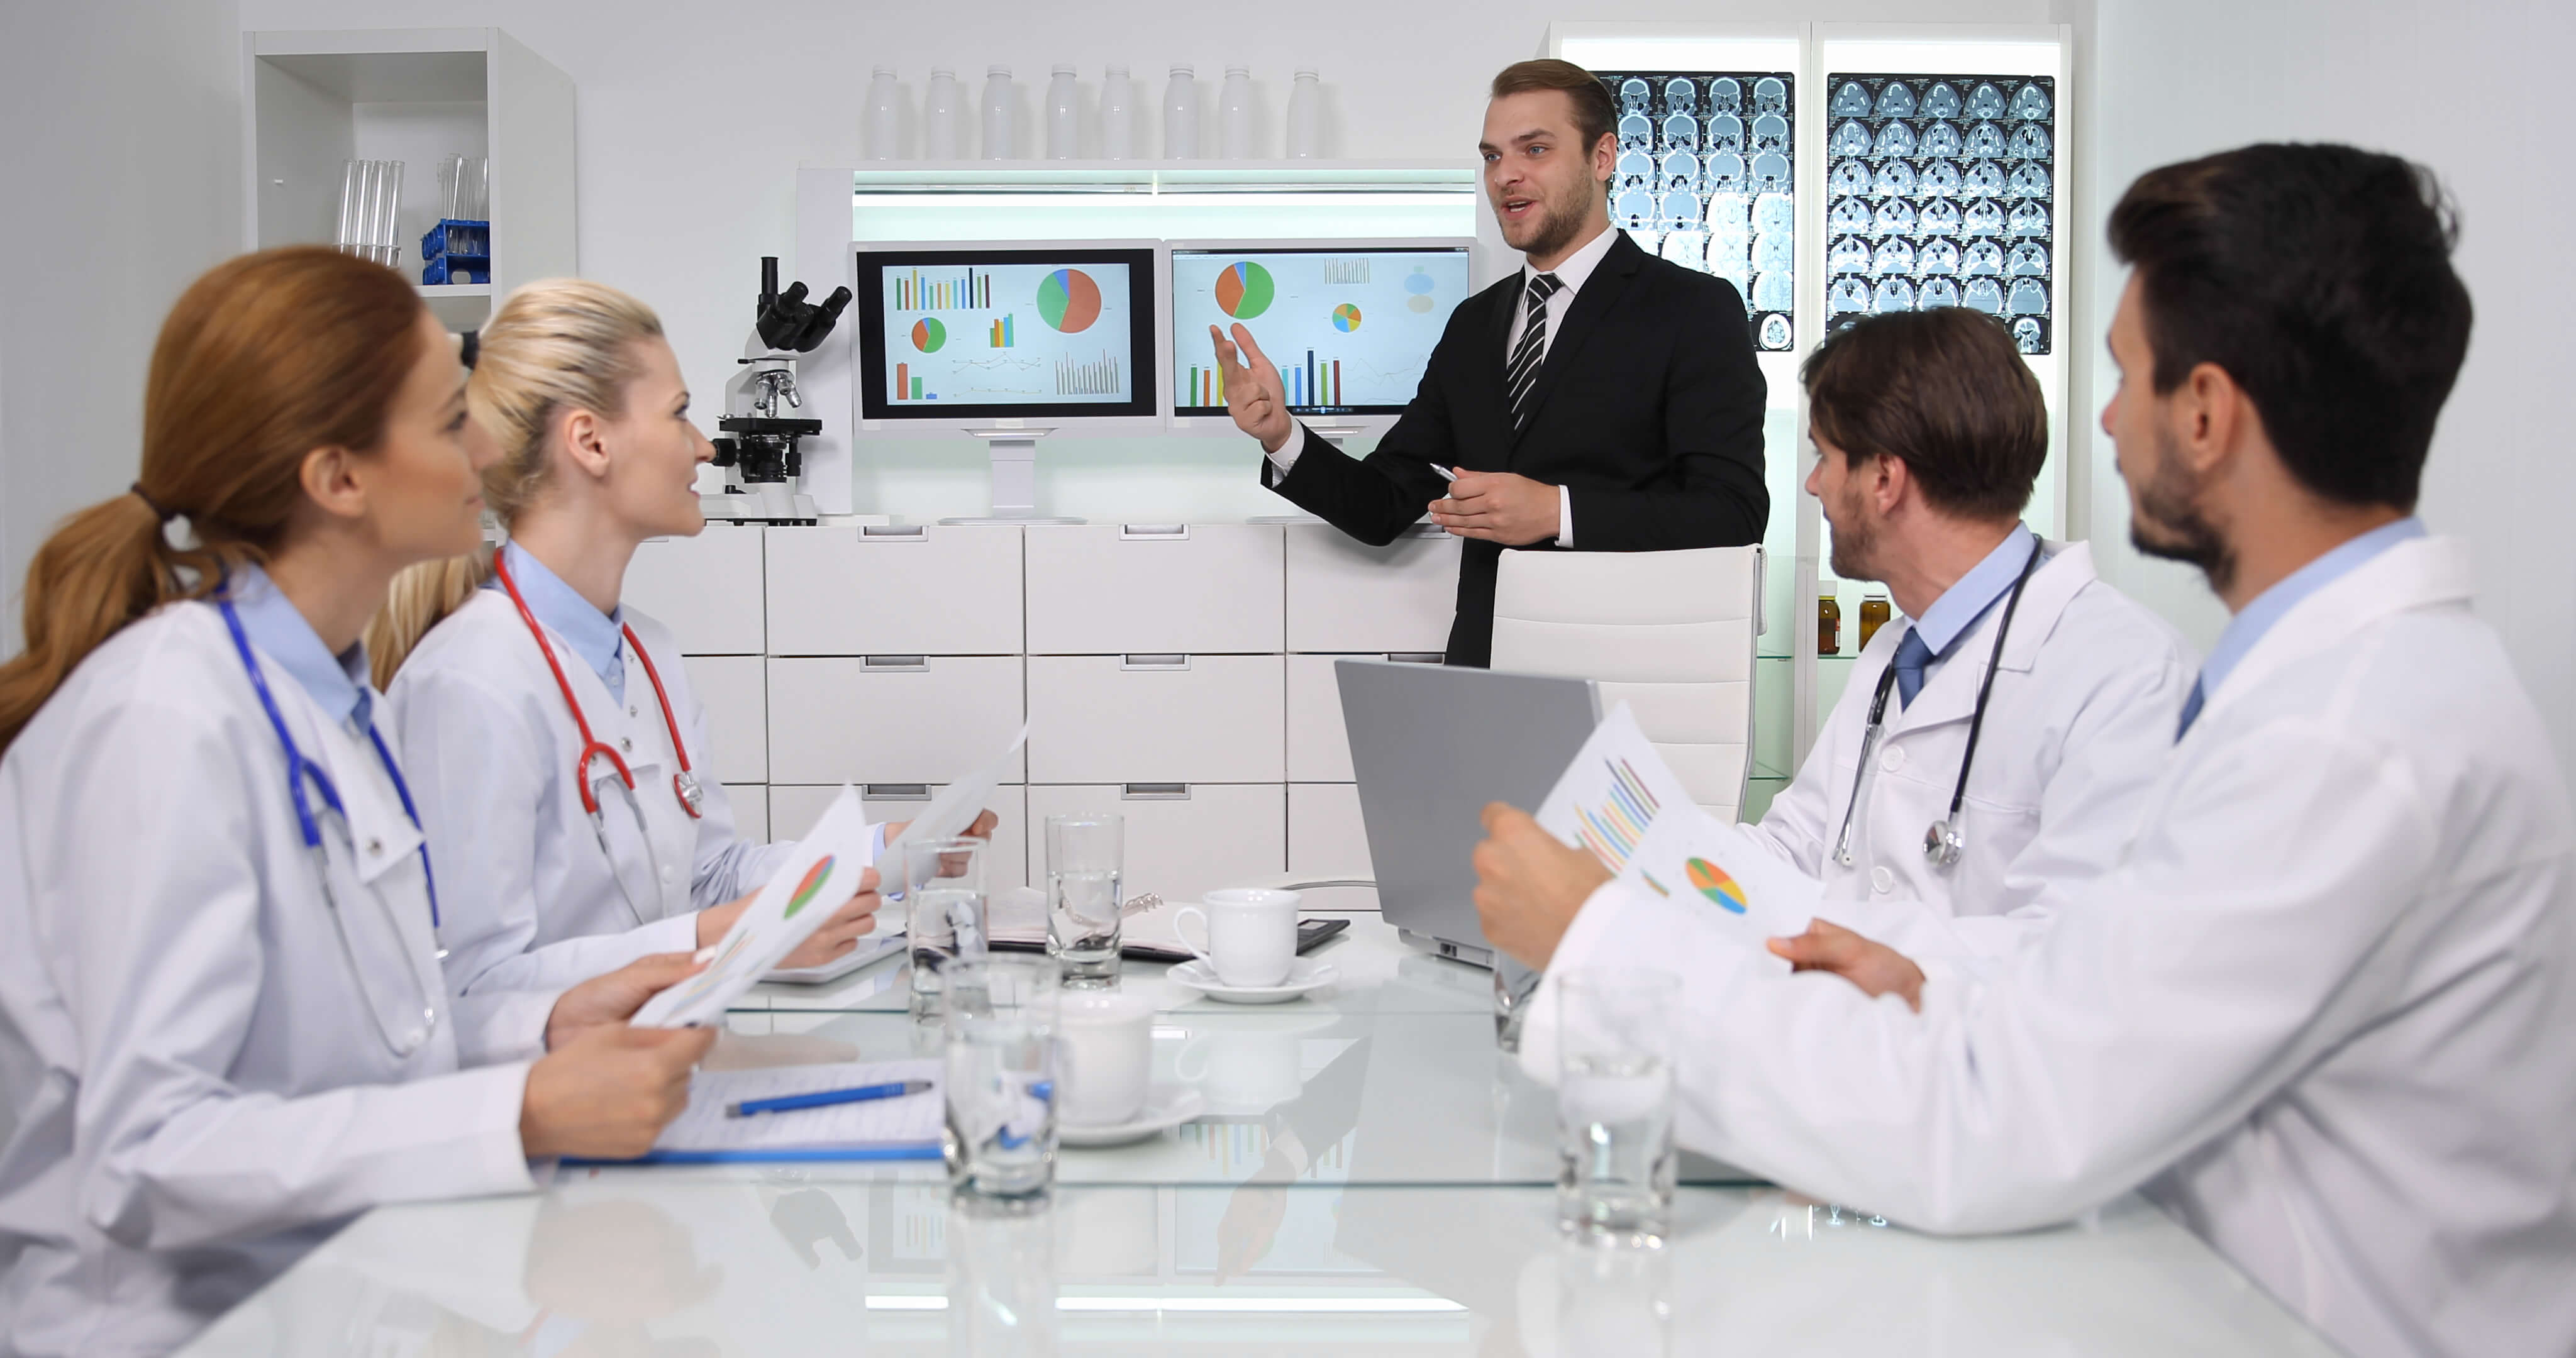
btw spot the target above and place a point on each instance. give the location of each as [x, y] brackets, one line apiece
[1234, 114]
[1304, 117]
[1063, 115]
[998, 99]
[1117, 115]
[943, 108]
[884, 114]
[1181, 115]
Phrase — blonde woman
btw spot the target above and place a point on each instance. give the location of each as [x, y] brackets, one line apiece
[560, 755]
[222, 1028]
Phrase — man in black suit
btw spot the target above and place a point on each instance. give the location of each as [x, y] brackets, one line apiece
[1599, 400]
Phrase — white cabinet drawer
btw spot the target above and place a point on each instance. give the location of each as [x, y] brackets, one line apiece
[925, 589]
[890, 719]
[793, 810]
[1326, 835]
[1319, 747]
[750, 802]
[1346, 596]
[735, 692]
[1112, 588]
[1168, 718]
[706, 589]
[1183, 841]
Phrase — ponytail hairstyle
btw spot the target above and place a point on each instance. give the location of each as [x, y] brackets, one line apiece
[263, 360]
[557, 344]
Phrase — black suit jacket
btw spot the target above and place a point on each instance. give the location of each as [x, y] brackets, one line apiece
[1648, 409]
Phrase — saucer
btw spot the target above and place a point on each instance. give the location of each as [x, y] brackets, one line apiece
[1168, 1106]
[1304, 974]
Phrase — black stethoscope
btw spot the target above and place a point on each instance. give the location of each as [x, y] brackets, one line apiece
[1943, 844]
[298, 770]
[684, 784]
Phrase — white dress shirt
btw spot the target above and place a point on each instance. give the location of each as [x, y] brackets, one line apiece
[1570, 275]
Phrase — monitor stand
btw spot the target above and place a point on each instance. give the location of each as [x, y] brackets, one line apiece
[1014, 454]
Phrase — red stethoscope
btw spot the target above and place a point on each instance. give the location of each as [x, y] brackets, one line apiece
[684, 784]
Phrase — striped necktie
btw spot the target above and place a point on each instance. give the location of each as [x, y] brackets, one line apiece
[1521, 374]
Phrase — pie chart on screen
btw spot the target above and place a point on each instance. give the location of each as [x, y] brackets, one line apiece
[1068, 300]
[928, 334]
[1244, 290]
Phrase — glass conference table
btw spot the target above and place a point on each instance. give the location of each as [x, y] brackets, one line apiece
[1371, 1176]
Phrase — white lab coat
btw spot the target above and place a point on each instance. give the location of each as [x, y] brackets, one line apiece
[2320, 1011]
[201, 1088]
[2081, 718]
[536, 904]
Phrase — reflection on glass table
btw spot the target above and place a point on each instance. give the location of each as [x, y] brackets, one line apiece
[1378, 975]
[780, 1261]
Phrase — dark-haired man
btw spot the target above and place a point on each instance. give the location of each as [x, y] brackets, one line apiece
[2320, 1010]
[1599, 399]
[1930, 431]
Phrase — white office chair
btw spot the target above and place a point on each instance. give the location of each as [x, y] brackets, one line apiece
[1671, 634]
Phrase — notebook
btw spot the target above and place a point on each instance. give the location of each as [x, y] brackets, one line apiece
[905, 1128]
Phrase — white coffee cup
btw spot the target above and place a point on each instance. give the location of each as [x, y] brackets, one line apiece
[1251, 934]
[1106, 1057]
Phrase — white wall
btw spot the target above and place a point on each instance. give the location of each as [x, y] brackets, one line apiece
[2476, 91]
[120, 145]
[694, 116]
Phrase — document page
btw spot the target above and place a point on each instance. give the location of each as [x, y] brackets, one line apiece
[1621, 801]
[950, 813]
[814, 883]
[911, 1120]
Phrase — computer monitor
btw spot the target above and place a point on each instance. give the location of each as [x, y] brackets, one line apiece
[1349, 323]
[1009, 342]
[1039, 333]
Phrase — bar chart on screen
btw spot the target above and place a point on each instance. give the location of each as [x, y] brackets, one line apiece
[1008, 334]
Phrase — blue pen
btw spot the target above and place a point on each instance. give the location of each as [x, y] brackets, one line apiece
[827, 1098]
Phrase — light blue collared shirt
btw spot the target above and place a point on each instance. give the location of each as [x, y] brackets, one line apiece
[337, 682]
[1968, 599]
[598, 638]
[2257, 618]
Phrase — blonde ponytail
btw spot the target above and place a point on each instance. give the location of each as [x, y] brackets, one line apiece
[557, 344]
[260, 362]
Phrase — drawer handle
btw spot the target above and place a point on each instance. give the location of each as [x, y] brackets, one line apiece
[895, 792]
[1153, 662]
[1153, 532]
[1415, 657]
[895, 662]
[893, 532]
[1155, 792]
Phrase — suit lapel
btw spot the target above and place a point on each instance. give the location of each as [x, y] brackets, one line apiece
[1601, 292]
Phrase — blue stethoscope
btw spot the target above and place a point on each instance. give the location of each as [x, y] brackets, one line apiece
[298, 770]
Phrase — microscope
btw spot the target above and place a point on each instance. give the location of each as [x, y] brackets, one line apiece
[756, 443]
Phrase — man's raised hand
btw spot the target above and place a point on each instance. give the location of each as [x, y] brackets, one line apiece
[1254, 395]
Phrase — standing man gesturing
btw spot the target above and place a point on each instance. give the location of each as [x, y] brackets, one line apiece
[1599, 399]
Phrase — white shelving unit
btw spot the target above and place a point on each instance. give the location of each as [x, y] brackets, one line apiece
[316, 99]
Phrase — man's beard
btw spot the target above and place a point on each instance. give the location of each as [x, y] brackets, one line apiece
[2164, 523]
[1853, 539]
[1558, 221]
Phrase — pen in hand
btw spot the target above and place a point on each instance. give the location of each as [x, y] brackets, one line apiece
[828, 1098]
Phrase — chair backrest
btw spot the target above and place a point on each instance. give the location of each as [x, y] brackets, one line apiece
[1671, 634]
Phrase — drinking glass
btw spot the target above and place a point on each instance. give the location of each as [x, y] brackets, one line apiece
[1084, 858]
[1000, 1084]
[944, 912]
[1614, 1103]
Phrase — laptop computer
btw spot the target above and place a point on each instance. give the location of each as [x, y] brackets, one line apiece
[1430, 746]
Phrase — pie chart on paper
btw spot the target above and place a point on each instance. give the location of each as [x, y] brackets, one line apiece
[1069, 300]
[1712, 882]
[1244, 290]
